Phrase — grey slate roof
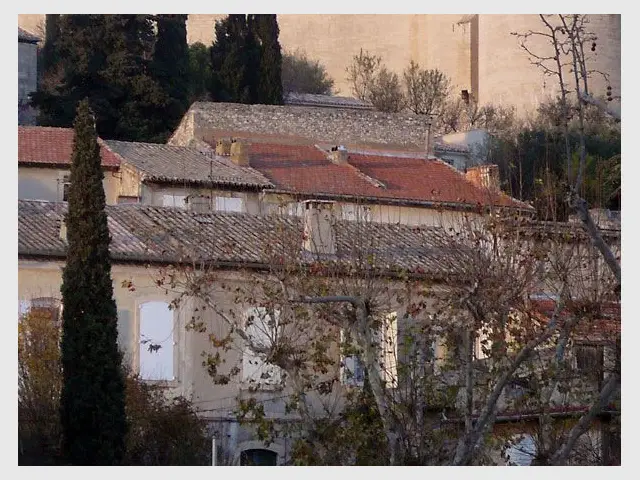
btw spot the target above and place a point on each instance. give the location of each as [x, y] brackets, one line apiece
[315, 100]
[26, 37]
[144, 233]
[174, 164]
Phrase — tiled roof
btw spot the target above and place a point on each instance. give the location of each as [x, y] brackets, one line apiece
[163, 234]
[51, 146]
[26, 37]
[605, 328]
[315, 100]
[306, 169]
[174, 164]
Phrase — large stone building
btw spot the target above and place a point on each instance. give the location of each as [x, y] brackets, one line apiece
[27, 75]
[478, 52]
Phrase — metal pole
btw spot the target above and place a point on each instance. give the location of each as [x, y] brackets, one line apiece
[213, 452]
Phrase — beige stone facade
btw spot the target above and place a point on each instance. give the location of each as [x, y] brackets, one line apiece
[36, 183]
[478, 52]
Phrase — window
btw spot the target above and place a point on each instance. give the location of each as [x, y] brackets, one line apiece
[387, 338]
[353, 368]
[156, 341]
[482, 345]
[200, 203]
[258, 457]
[522, 451]
[589, 359]
[170, 200]
[355, 212]
[128, 199]
[229, 204]
[65, 184]
[262, 328]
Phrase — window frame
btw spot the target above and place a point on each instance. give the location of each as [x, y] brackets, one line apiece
[139, 346]
[249, 380]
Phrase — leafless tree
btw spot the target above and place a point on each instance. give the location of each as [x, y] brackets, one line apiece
[426, 90]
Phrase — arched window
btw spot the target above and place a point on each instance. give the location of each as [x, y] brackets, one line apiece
[156, 340]
[258, 457]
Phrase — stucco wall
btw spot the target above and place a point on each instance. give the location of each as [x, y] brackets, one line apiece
[46, 184]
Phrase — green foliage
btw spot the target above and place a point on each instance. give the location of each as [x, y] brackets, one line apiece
[270, 79]
[49, 54]
[170, 66]
[106, 58]
[200, 72]
[92, 399]
[354, 437]
[302, 75]
[162, 432]
[235, 58]
[39, 384]
[532, 162]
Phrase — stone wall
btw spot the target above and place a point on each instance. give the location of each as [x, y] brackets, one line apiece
[339, 126]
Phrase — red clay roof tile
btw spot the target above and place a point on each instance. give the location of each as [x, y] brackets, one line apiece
[306, 169]
[53, 146]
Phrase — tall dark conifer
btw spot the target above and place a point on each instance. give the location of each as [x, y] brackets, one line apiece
[49, 55]
[235, 61]
[106, 58]
[170, 66]
[266, 30]
[93, 393]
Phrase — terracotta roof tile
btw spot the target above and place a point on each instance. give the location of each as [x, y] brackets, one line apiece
[53, 146]
[306, 169]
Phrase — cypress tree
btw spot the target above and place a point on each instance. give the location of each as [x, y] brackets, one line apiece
[92, 402]
[270, 78]
[49, 55]
[105, 58]
[170, 66]
[235, 61]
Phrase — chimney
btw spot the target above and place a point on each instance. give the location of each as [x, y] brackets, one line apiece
[223, 147]
[239, 153]
[338, 155]
[63, 230]
[319, 237]
[484, 176]
[429, 142]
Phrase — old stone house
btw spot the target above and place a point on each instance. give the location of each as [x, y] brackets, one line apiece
[369, 163]
[265, 174]
[44, 158]
[237, 248]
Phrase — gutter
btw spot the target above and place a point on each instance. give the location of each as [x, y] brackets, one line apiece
[400, 201]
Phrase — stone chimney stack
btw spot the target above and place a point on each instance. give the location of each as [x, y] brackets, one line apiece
[239, 153]
[63, 230]
[319, 234]
[429, 142]
[485, 176]
[223, 147]
[339, 155]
